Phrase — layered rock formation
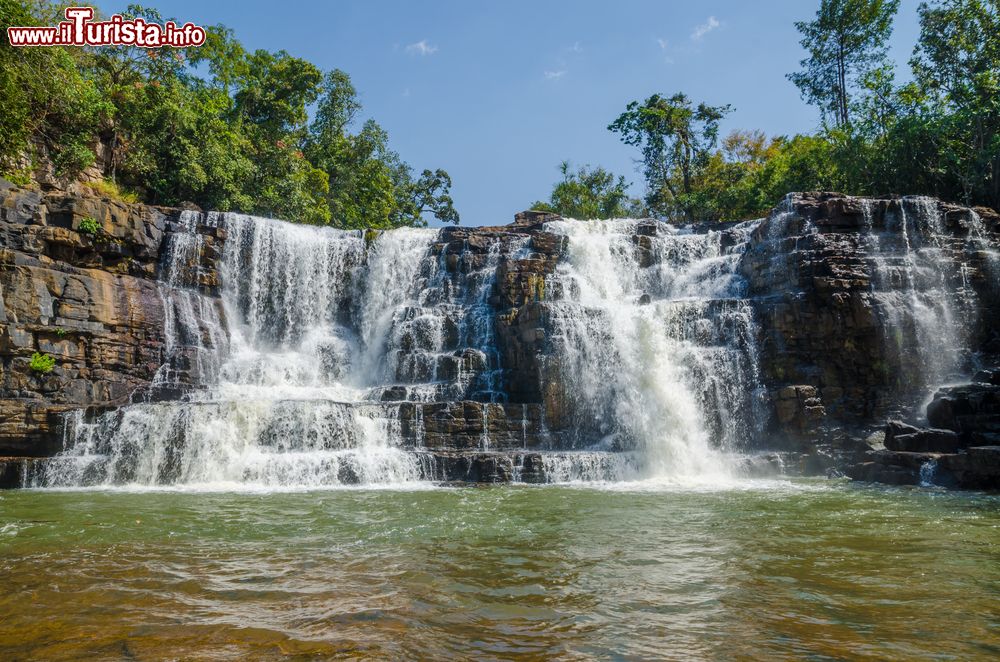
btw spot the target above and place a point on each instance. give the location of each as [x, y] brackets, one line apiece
[866, 305]
[91, 300]
[961, 450]
[840, 312]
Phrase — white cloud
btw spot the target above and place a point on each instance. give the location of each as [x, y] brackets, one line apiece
[705, 28]
[421, 48]
[555, 75]
[663, 44]
[575, 48]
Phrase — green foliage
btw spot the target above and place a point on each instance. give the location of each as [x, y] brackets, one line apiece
[48, 96]
[957, 67]
[61, 332]
[109, 189]
[215, 125]
[676, 139]
[43, 364]
[588, 194]
[847, 48]
[370, 186]
[20, 177]
[89, 225]
[937, 135]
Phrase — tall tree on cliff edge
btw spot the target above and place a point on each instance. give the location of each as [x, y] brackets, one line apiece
[957, 66]
[847, 47]
[676, 139]
[589, 193]
[370, 185]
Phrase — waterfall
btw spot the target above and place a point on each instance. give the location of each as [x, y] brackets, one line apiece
[921, 290]
[196, 339]
[656, 344]
[313, 366]
[309, 313]
[299, 356]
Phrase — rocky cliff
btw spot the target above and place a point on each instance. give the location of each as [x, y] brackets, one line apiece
[866, 305]
[91, 299]
[860, 309]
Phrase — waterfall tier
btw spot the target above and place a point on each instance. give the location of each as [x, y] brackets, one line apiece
[549, 350]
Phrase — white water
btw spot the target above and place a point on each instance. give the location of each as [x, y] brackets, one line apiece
[922, 292]
[319, 332]
[301, 367]
[283, 403]
[656, 350]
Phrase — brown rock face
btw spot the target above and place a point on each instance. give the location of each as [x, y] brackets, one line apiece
[89, 300]
[826, 275]
[830, 275]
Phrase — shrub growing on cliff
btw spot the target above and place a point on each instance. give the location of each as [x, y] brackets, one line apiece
[589, 193]
[110, 189]
[89, 225]
[42, 364]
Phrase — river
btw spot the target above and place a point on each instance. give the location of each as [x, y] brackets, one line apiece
[805, 569]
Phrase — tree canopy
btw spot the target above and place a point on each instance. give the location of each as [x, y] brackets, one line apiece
[225, 128]
[588, 194]
[936, 135]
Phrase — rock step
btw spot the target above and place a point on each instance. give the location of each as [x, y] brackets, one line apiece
[443, 466]
[977, 467]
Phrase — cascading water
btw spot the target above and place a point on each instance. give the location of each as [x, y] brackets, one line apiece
[322, 337]
[332, 357]
[656, 345]
[284, 404]
[921, 290]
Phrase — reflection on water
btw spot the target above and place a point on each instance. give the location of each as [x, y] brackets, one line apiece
[811, 570]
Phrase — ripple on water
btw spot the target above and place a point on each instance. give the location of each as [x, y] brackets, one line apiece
[764, 569]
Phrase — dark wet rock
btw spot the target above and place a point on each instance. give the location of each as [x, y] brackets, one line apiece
[988, 377]
[902, 437]
[977, 468]
[815, 292]
[967, 408]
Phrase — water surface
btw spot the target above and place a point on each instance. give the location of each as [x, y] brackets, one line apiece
[814, 570]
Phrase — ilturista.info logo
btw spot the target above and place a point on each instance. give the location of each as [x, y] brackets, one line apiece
[80, 30]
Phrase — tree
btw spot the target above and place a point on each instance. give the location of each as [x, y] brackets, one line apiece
[215, 125]
[428, 194]
[370, 186]
[676, 140]
[732, 185]
[957, 66]
[846, 43]
[49, 101]
[588, 194]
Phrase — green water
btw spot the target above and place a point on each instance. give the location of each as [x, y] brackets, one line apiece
[811, 570]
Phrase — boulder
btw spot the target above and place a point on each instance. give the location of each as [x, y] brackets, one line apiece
[902, 437]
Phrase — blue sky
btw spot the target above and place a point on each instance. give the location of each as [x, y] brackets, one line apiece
[499, 93]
